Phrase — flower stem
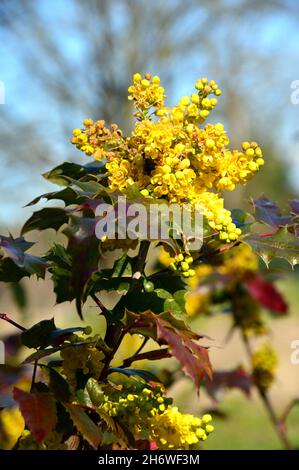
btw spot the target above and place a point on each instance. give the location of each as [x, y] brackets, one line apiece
[278, 424]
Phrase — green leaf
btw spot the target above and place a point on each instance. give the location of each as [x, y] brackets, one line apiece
[60, 174]
[85, 425]
[92, 395]
[51, 217]
[38, 335]
[15, 250]
[159, 300]
[45, 333]
[67, 195]
[282, 244]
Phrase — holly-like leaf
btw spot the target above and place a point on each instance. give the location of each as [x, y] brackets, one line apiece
[85, 425]
[45, 333]
[281, 244]
[266, 294]
[67, 195]
[39, 412]
[223, 380]
[50, 217]
[15, 251]
[62, 174]
[268, 212]
[193, 358]
[159, 300]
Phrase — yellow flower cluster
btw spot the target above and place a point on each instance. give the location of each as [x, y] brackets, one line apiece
[175, 430]
[264, 363]
[168, 156]
[149, 415]
[146, 92]
[86, 358]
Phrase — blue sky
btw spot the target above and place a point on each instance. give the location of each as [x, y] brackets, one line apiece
[275, 39]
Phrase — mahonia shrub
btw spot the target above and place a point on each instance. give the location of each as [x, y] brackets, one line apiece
[80, 395]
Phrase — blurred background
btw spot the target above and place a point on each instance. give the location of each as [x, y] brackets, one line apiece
[65, 60]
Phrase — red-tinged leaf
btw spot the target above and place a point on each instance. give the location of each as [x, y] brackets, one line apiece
[266, 294]
[193, 358]
[268, 212]
[39, 412]
[85, 425]
[222, 380]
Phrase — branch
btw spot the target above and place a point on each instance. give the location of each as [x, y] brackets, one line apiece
[149, 355]
[4, 317]
[277, 423]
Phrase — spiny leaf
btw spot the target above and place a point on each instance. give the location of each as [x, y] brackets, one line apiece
[15, 250]
[51, 217]
[67, 195]
[60, 174]
[45, 333]
[39, 412]
[282, 244]
[85, 425]
[268, 212]
[193, 358]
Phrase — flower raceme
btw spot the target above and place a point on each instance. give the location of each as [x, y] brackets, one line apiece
[149, 415]
[169, 156]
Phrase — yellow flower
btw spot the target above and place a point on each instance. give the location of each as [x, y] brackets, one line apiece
[264, 364]
[171, 157]
[175, 430]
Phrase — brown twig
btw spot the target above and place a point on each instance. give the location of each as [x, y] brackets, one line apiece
[145, 340]
[149, 355]
[278, 424]
[99, 303]
[4, 317]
